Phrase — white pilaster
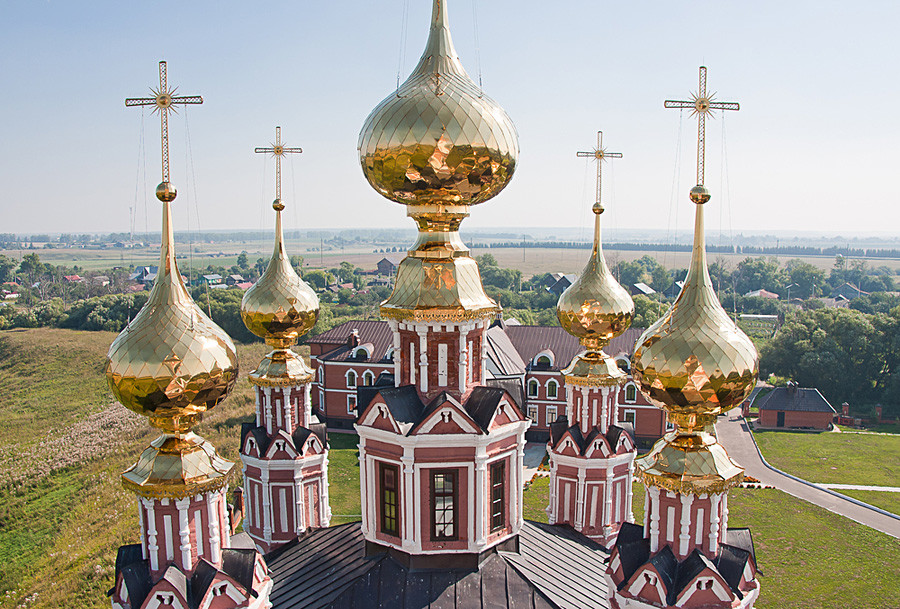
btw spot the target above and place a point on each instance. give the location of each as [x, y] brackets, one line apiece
[152, 546]
[422, 331]
[480, 468]
[608, 501]
[629, 486]
[684, 539]
[300, 523]
[286, 405]
[268, 410]
[267, 505]
[713, 546]
[184, 532]
[259, 414]
[654, 509]
[570, 404]
[409, 504]
[520, 488]
[585, 404]
[463, 357]
[579, 500]
[213, 514]
[552, 509]
[143, 530]
[604, 403]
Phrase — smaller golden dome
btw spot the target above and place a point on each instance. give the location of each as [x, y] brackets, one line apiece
[694, 361]
[280, 307]
[171, 363]
[595, 309]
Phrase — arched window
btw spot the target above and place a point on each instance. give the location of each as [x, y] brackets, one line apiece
[390, 354]
[630, 393]
[320, 373]
[360, 353]
[532, 388]
[624, 364]
[351, 378]
[368, 378]
[552, 389]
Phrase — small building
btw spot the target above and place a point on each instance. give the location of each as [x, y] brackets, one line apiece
[386, 267]
[562, 282]
[101, 280]
[214, 279]
[73, 278]
[795, 407]
[641, 289]
[847, 291]
[673, 290]
[761, 294]
[234, 280]
[144, 274]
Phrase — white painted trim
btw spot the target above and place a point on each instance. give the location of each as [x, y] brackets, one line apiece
[184, 532]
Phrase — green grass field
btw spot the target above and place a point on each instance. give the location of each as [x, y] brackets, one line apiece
[60, 526]
[836, 458]
[885, 500]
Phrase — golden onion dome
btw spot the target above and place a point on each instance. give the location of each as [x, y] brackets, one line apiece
[280, 306]
[595, 309]
[171, 363]
[438, 138]
[694, 361]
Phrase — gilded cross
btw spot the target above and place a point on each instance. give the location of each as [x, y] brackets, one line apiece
[702, 104]
[164, 101]
[278, 150]
[599, 154]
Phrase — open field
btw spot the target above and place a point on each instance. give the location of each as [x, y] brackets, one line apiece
[836, 458]
[534, 260]
[60, 527]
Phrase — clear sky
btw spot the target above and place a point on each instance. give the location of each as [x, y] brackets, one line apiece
[814, 146]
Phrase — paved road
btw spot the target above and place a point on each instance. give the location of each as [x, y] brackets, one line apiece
[734, 435]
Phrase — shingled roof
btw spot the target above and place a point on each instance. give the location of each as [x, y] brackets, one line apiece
[797, 399]
[554, 568]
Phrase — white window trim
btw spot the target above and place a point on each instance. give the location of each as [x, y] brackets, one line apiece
[632, 412]
[625, 393]
[532, 383]
[355, 379]
[356, 350]
[531, 409]
[351, 401]
[551, 414]
[545, 353]
[374, 378]
[555, 383]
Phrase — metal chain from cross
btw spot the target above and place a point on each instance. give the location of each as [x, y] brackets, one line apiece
[702, 105]
[164, 101]
[278, 151]
[599, 155]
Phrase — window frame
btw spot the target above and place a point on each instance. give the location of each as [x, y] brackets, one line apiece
[633, 413]
[453, 474]
[383, 527]
[630, 387]
[536, 385]
[498, 520]
[351, 403]
[368, 378]
[529, 410]
[551, 414]
[554, 394]
[351, 384]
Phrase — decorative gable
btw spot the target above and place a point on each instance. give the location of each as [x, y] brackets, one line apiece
[378, 416]
[281, 447]
[706, 588]
[647, 584]
[448, 418]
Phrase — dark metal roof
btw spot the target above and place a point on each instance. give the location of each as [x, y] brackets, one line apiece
[690, 567]
[403, 402]
[730, 563]
[512, 386]
[259, 434]
[531, 340]
[200, 581]
[482, 404]
[555, 568]
[239, 565]
[371, 332]
[796, 399]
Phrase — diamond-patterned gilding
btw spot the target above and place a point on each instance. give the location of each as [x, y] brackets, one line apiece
[694, 359]
[438, 138]
[697, 467]
[171, 363]
[280, 305]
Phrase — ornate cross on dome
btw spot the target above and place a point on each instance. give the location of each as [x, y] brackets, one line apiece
[599, 154]
[702, 104]
[278, 151]
[164, 100]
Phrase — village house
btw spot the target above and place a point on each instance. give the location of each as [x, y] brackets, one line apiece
[794, 407]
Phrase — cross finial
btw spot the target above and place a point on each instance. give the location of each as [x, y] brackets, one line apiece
[278, 151]
[164, 101]
[599, 154]
[702, 105]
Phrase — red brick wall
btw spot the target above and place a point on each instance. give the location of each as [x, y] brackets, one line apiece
[815, 420]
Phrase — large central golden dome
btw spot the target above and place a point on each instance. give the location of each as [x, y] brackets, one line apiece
[438, 138]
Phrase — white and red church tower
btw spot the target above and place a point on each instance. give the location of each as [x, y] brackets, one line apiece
[591, 458]
[172, 364]
[441, 450]
[695, 363]
[285, 450]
